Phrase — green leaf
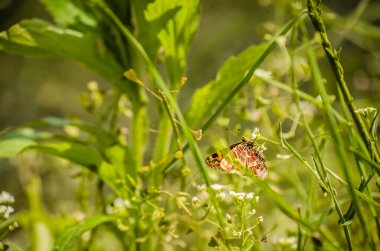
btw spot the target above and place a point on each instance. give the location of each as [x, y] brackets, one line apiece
[81, 154]
[36, 37]
[67, 13]
[70, 235]
[176, 36]
[13, 146]
[14, 142]
[39, 38]
[208, 97]
[149, 29]
[120, 165]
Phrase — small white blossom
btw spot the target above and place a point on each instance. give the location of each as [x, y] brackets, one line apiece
[288, 241]
[217, 187]
[232, 193]
[221, 196]
[260, 219]
[118, 206]
[118, 203]
[201, 187]
[241, 197]
[195, 202]
[257, 199]
[236, 234]
[255, 133]
[6, 198]
[252, 212]
[6, 211]
[250, 196]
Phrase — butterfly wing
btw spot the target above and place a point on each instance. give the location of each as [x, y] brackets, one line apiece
[238, 158]
[220, 160]
[254, 160]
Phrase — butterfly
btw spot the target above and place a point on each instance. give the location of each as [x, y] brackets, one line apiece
[238, 158]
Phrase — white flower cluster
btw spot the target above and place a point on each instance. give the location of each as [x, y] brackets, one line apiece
[215, 187]
[290, 241]
[118, 206]
[6, 198]
[5, 209]
[242, 198]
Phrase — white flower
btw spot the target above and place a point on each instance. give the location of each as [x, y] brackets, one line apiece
[250, 196]
[232, 193]
[221, 196]
[287, 241]
[257, 199]
[260, 219]
[6, 211]
[255, 133]
[118, 206]
[202, 187]
[6, 198]
[236, 234]
[195, 201]
[217, 187]
[118, 203]
[252, 212]
[242, 197]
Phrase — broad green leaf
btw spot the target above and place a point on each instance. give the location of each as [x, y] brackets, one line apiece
[208, 97]
[15, 142]
[70, 235]
[148, 30]
[12, 146]
[81, 154]
[178, 33]
[66, 13]
[36, 37]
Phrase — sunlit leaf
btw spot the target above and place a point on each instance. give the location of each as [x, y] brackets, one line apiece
[206, 98]
[16, 141]
[177, 34]
[12, 146]
[66, 13]
[81, 154]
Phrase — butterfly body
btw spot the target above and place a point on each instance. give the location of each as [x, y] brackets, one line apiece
[240, 157]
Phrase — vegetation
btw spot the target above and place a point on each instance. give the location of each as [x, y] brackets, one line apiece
[140, 181]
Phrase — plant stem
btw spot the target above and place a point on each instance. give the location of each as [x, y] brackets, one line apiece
[314, 10]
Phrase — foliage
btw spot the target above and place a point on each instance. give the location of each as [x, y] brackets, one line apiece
[134, 195]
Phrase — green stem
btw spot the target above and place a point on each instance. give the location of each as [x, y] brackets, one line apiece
[138, 134]
[314, 10]
[337, 137]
